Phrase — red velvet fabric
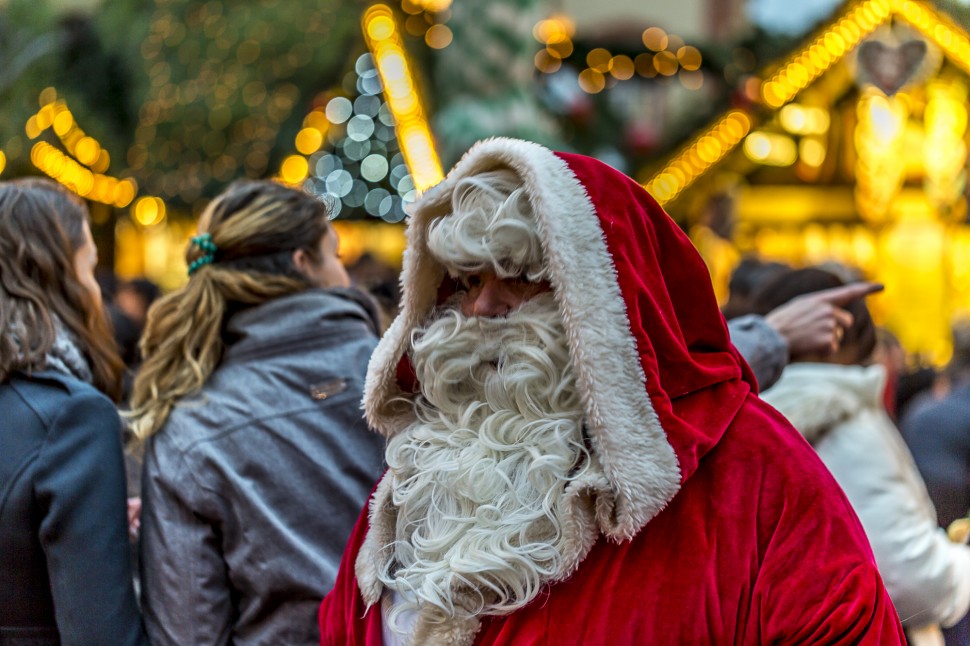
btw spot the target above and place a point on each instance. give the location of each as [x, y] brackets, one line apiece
[759, 545]
[695, 377]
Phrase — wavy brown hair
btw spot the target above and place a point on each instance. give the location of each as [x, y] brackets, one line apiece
[41, 230]
[256, 226]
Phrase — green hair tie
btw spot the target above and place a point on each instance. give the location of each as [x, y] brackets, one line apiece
[204, 242]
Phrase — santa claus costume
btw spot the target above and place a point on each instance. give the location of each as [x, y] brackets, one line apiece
[707, 518]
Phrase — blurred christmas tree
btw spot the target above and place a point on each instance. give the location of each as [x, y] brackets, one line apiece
[226, 81]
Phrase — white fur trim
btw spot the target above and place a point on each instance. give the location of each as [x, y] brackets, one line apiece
[638, 462]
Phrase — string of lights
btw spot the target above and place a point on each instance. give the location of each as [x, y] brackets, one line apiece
[666, 55]
[83, 173]
[394, 70]
[793, 75]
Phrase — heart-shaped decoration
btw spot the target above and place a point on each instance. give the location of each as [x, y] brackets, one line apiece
[891, 67]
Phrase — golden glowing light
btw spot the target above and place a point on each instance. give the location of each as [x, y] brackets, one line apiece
[699, 155]
[880, 153]
[804, 120]
[393, 67]
[547, 63]
[665, 63]
[599, 59]
[87, 151]
[149, 211]
[84, 178]
[3, 162]
[63, 123]
[592, 81]
[32, 128]
[438, 36]
[556, 29]
[770, 149]
[79, 179]
[621, 67]
[655, 39]
[827, 47]
[47, 96]
[294, 169]
[689, 57]
[811, 152]
[309, 140]
[433, 6]
[944, 144]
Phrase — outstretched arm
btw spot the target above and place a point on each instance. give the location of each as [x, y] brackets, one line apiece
[814, 323]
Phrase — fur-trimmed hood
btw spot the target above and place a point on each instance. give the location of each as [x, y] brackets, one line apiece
[816, 397]
[650, 348]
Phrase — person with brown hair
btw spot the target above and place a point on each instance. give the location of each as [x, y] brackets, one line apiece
[835, 399]
[65, 575]
[257, 457]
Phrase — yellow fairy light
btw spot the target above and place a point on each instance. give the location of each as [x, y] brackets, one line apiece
[546, 62]
[317, 119]
[387, 48]
[557, 29]
[689, 57]
[3, 162]
[433, 6]
[63, 123]
[87, 151]
[45, 116]
[804, 120]
[621, 67]
[438, 36]
[811, 152]
[655, 39]
[861, 19]
[699, 155]
[149, 211]
[591, 81]
[294, 169]
[770, 149]
[665, 63]
[31, 128]
[124, 192]
[309, 140]
[47, 96]
[599, 59]
[944, 147]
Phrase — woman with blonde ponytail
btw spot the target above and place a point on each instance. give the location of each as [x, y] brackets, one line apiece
[257, 458]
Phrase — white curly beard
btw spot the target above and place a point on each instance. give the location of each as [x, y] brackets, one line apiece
[478, 480]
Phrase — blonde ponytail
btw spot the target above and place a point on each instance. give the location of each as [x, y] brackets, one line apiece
[255, 227]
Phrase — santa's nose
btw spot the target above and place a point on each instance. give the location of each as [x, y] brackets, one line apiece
[489, 296]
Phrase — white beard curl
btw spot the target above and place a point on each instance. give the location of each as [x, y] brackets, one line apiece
[478, 479]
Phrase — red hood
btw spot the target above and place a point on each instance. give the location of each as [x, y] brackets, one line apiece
[660, 377]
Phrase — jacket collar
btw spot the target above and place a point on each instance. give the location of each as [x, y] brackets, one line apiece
[293, 317]
[815, 397]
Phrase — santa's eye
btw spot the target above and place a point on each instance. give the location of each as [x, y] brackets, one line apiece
[470, 281]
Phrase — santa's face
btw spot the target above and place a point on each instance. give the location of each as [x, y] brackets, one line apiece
[479, 478]
[489, 295]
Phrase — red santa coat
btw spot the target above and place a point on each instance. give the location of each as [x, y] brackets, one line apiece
[709, 519]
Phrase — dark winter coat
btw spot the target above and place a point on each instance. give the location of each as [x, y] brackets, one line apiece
[65, 575]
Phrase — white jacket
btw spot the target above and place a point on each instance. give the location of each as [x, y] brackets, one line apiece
[838, 409]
